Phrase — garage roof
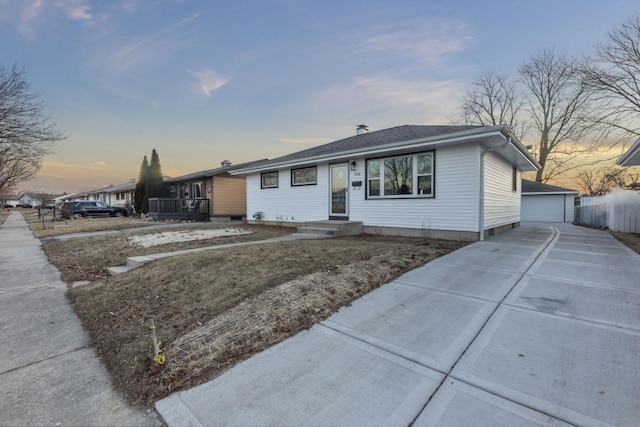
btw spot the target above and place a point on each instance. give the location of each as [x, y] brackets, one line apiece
[532, 188]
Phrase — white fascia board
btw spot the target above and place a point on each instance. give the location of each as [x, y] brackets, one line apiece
[632, 156]
[415, 144]
[522, 149]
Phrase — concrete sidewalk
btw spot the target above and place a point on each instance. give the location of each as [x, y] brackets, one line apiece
[48, 373]
[536, 326]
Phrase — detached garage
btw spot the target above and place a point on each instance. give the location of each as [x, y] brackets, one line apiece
[546, 203]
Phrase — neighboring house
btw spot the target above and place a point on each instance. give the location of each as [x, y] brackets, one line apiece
[83, 195]
[37, 199]
[225, 194]
[28, 199]
[116, 195]
[444, 181]
[10, 199]
[632, 156]
[547, 203]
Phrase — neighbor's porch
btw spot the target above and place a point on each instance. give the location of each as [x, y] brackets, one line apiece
[164, 208]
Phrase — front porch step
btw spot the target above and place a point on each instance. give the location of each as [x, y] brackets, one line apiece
[317, 231]
[114, 271]
[332, 228]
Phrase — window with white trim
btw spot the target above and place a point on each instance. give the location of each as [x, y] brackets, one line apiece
[269, 180]
[401, 176]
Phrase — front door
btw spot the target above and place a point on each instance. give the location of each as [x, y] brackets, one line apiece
[339, 188]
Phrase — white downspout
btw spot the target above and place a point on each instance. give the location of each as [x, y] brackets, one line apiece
[481, 210]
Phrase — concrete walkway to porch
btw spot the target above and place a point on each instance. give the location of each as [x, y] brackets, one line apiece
[537, 325]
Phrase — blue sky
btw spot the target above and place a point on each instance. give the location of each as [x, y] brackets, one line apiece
[203, 81]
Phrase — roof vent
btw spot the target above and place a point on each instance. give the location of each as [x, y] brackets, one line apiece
[360, 129]
[225, 163]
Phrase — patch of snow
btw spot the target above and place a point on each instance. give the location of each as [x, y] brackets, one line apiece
[163, 238]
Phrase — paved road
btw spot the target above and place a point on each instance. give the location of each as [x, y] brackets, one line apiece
[536, 326]
[48, 374]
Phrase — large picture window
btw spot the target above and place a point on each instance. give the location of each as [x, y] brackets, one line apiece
[304, 176]
[269, 180]
[401, 176]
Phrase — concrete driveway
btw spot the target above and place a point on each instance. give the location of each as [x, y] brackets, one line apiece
[536, 326]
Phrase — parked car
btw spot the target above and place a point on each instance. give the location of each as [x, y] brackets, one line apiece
[25, 205]
[90, 208]
[8, 205]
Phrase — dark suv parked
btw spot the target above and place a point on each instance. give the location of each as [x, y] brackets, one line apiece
[90, 208]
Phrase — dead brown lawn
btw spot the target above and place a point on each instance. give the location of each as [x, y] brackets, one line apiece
[629, 239]
[88, 258]
[213, 309]
[47, 228]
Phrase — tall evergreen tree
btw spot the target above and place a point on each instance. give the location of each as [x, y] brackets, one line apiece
[141, 185]
[154, 184]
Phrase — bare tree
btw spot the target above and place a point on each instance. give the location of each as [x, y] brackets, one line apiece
[614, 74]
[548, 103]
[597, 182]
[558, 105]
[41, 198]
[26, 133]
[494, 99]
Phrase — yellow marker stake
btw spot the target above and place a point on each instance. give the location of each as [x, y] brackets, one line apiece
[158, 355]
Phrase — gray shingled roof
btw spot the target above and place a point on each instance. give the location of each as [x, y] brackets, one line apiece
[120, 187]
[632, 156]
[538, 187]
[369, 139]
[213, 172]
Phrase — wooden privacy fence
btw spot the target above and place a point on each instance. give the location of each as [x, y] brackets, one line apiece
[618, 212]
[592, 215]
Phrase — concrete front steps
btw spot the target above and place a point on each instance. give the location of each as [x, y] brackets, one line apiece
[332, 228]
[133, 262]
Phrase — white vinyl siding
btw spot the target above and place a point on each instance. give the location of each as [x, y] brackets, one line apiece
[453, 207]
[501, 203]
[287, 202]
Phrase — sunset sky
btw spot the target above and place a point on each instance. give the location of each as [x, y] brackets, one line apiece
[204, 81]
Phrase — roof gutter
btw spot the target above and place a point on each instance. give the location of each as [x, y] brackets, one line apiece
[518, 145]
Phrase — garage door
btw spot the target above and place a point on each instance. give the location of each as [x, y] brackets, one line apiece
[542, 208]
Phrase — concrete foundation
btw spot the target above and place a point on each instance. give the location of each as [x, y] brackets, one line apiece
[465, 236]
[332, 228]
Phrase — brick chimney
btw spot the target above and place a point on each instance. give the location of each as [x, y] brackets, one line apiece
[225, 163]
[360, 129]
